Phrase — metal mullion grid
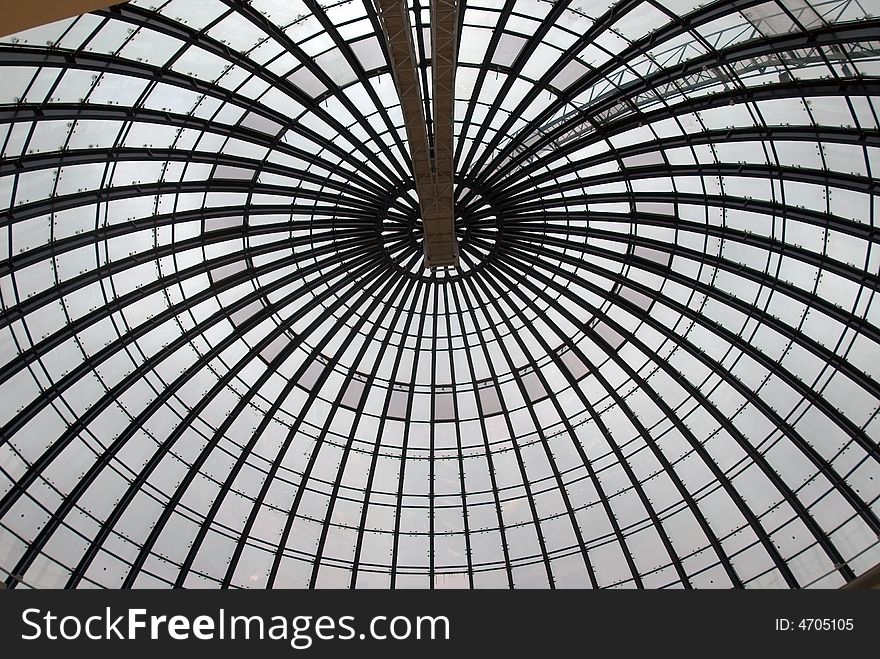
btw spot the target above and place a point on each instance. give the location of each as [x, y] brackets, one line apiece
[510, 429]
[748, 273]
[18, 579]
[116, 154]
[528, 303]
[361, 74]
[737, 53]
[749, 395]
[65, 111]
[57, 293]
[92, 365]
[281, 37]
[700, 16]
[868, 281]
[858, 325]
[37, 369]
[283, 354]
[866, 274]
[361, 295]
[506, 277]
[58, 402]
[838, 482]
[772, 282]
[866, 86]
[361, 319]
[821, 52]
[823, 353]
[695, 394]
[718, 169]
[108, 64]
[796, 133]
[485, 67]
[473, 261]
[655, 80]
[705, 264]
[126, 129]
[164, 448]
[758, 277]
[111, 396]
[275, 464]
[644, 432]
[544, 222]
[490, 468]
[75, 200]
[402, 291]
[668, 75]
[436, 289]
[409, 403]
[414, 295]
[448, 300]
[476, 164]
[773, 285]
[486, 280]
[519, 219]
[353, 224]
[173, 28]
[44, 346]
[477, 261]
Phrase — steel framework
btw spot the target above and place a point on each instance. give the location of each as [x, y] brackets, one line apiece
[640, 354]
[432, 164]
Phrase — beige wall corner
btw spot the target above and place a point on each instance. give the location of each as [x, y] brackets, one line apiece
[17, 16]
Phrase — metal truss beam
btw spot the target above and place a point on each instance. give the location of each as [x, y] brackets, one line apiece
[441, 245]
[432, 172]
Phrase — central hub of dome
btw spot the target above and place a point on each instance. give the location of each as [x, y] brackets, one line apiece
[478, 229]
[402, 236]
[480, 232]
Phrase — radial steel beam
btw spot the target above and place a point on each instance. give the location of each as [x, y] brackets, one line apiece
[432, 172]
[19, 16]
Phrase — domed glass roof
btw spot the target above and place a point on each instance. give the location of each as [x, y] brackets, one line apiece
[224, 363]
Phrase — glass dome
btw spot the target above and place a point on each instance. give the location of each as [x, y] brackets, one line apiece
[656, 364]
